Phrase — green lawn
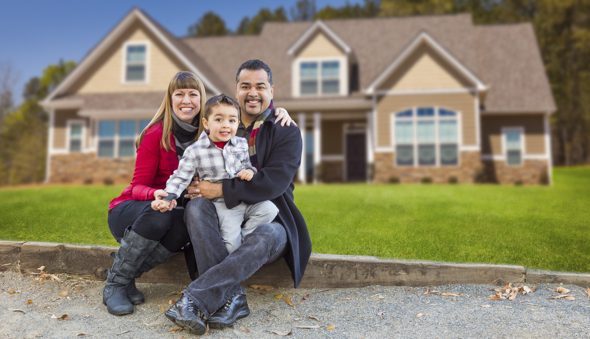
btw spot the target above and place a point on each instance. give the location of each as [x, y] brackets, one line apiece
[538, 227]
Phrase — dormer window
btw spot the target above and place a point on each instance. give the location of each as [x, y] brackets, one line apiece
[135, 62]
[321, 77]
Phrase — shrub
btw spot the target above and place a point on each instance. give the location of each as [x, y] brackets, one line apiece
[453, 179]
[426, 180]
[394, 180]
[88, 181]
[108, 181]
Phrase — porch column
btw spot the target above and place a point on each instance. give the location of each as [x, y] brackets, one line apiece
[369, 143]
[301, 123]
[317, 144]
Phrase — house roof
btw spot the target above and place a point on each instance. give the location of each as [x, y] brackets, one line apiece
[503, 58]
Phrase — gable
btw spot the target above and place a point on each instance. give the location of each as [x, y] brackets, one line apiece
[107, 73]
[424, 70]
[320, 46]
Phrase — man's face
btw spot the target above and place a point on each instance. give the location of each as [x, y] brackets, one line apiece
[254, 93]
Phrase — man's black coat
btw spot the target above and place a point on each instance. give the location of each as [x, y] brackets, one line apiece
[278, 153]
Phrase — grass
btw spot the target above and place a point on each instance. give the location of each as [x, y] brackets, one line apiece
[535, 226]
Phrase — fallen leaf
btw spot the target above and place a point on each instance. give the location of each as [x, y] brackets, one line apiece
[446, 294]
[61, 317]
[278, 296]
[42, 268]
[265, 288]
[245, 329]
[11, 291]
[308, 327]
[305, 297]
[63, 293]
[313, 318]
[331, 327]
[419, 315]
[377, 297]
[16, 310]
[588, 292]
[175, 329]
[281, 333]
[288, 300]
[564, 296]
[381, 314]
[81, 334]
[496, 297]
[486, 306]
[29, 301]
[562, 290]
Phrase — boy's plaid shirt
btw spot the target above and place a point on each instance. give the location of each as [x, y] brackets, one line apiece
[209, 162]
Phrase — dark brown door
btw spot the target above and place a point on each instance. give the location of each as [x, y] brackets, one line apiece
[356, 157]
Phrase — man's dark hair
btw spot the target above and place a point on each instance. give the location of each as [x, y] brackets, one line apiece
[254, 65]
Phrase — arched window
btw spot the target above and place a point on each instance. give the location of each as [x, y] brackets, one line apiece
[426, 136]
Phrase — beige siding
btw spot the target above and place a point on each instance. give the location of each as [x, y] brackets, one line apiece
[491, 139]
[464, 103]
[61, 126]
[425, 69]
[320, 46]
[108, 73]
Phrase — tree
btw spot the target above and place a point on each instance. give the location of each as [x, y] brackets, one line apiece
[210, 24]
[7, 80]
[25, 130]
[304, 10]
[254, 25]
[368, 10]
[415, 7]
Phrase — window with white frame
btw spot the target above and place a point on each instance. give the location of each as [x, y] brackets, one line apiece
[135, 63]
[426, 136]
[75, 136]
[116, 138]
[513, 145]
[319, 77]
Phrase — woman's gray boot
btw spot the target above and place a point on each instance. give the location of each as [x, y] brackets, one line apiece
[126, 264]
[159, 255]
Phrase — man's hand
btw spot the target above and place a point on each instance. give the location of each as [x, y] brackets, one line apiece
[283, 117]
[245, 174]
[192, 191]
[210, 190]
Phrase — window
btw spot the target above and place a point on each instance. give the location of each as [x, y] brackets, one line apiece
[319, 77]
[116, 138]
[75, 136]
[135, 63]
[513, 145]
[426, 136]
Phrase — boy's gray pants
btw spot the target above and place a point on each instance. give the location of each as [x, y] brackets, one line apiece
[230, 220]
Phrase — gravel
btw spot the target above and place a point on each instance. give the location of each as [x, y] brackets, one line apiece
[33, 306]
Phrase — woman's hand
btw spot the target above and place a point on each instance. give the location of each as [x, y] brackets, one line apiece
[283, 117]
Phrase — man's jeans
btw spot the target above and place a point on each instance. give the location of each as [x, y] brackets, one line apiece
[220, 274]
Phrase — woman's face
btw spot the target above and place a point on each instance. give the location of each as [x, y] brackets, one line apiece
[186, 103]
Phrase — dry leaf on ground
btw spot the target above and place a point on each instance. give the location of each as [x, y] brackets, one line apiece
[564, 296]
[308, 327]
[288, 300]
[281, 333]
[420, 315]
[176, 329]
[447, 294]
[29, 301]
[313, 318]
[11, 291]
[509, 292]
[562, 290]
[63, 293]
[588, 292]
[17, 310]
[264, 288]
[61, 317]
[331, 327]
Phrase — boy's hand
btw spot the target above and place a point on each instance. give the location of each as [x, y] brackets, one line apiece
[163, 205]
[245, 174]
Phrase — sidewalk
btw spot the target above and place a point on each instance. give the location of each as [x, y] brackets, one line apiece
[33, 306]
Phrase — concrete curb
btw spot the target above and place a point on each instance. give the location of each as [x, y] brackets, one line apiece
[323, 270]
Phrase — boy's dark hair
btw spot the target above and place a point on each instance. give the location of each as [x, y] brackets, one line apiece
[220, 99]
[254, 65]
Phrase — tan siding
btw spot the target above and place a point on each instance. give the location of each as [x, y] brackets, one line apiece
[491, 139]
[108, 73]
[464, 103]
[61, 126]
[425, 69]
[320, 46]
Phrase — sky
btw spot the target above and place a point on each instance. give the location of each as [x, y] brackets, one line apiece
[37, 33]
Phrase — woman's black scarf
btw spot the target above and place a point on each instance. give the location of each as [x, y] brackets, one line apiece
[184, 133]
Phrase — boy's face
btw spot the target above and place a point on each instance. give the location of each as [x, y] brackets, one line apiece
[222, 123]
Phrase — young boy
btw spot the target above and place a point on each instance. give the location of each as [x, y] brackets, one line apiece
[219, 154]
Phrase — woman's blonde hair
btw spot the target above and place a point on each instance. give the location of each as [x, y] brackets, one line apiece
[181, 80]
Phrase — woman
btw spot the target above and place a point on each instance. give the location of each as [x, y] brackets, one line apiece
[149, 237]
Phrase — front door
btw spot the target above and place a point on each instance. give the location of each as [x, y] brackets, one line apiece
[356, 156]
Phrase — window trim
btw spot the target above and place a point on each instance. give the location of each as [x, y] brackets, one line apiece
[69, 124]
[437, 143]
[505, 131]
[146, 79]
[343, 76]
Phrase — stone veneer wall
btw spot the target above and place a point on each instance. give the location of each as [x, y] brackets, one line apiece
[469, 170]
[331, 171]
[531, 172]
[88, 168]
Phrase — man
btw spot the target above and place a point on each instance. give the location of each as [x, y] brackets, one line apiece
[216, 296]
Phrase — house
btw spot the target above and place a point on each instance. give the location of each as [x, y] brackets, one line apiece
[431, 98]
